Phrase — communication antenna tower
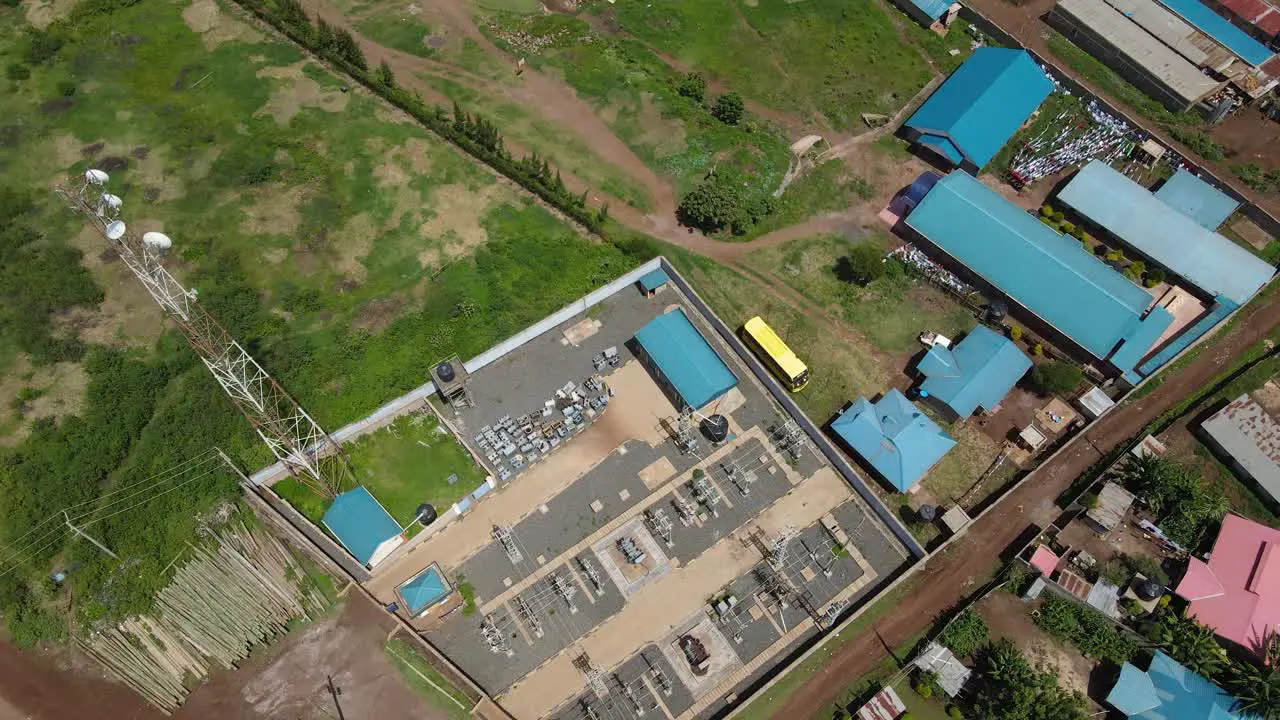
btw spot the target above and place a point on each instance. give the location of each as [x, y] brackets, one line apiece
[295, 439]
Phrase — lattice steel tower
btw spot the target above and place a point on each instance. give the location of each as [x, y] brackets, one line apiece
[297, 440]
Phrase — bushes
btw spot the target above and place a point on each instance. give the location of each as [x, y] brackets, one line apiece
[1054, 378]
[729, 108]
[1185, 507]
[1009, 688]
[864, 264]
[1085, 628]
[1199, 143]
[694, 87]
[720, 202]
[966, 635]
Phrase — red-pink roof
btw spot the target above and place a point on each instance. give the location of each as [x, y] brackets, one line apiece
[1246, 562]
[1199, 582]
[1044, 560]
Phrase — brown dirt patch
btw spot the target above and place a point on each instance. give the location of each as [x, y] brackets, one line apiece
[458, 211]
[665, 136]
[127, 316]
[216, 27]
[297, 92]
[62, 388]
[1007, 617]
[42, 13]
[378, 314]
[357, 239]
[274, 211]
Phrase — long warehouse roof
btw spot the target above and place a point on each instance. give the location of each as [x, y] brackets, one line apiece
[1220, 29]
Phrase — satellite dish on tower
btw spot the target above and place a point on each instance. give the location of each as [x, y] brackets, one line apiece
[112, 201]
[95, 176]
[115, 230]
[157, 241]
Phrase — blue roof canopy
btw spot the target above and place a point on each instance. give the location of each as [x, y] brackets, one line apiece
[984, 102]
[1138, 344]
[683, 356]
[653, 280]
[1047, 273]
[977, 373]
[894, 437]
[1220, 29]
[424, 590]
[1179, 693]
[360, 523]
[1197, 199]
[933, 9]
[1130, 212]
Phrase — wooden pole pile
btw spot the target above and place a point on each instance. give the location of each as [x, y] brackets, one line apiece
[224, 600]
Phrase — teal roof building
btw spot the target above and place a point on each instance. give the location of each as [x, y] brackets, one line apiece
[1047, 273]
[1220, 29]
[897, 440]
[976, 110]
[363, 526]
[1197, 199]
[1169, 691]
[976, 373]
[1141, 219]
[425, 589]
[682, 360]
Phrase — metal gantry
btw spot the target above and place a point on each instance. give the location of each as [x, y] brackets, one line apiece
[293, 436]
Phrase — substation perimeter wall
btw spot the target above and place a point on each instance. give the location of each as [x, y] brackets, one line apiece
[1264, 219]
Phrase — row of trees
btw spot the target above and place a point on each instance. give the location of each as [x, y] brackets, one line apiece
[475, 134]
[729, 108]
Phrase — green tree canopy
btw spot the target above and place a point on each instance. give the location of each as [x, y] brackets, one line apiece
[693, 86]
[1009, 688]
[729, 108]
[1054, 378]
[864, 264]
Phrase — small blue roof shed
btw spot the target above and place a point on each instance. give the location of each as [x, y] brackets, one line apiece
[984, 102]
[894, 437]
[977, 373]
[684, 360]
[653, 280]
[424, 590]
[360, 523]
[1197, 199]
[1169, 691]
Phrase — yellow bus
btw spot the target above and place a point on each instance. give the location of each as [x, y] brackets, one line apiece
[775, 354]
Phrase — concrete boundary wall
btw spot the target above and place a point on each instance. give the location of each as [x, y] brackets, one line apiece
[819, 439]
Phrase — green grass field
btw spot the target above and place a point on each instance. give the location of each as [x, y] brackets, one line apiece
[398, 29]
[409, 463]
[427, 682]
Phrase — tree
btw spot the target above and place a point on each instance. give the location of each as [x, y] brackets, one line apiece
[17, 72]
[1257, 687]
[1054, 378]
[863, 265]
[1190, 643]
[1008, 687]
[386, 78]
[325, 39]
[729, 108]
[694, 87]
[712, 205]
[348, 49]
[966, 634]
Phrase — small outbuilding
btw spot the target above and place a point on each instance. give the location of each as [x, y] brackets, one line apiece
[978, 109]
[951, 674]
[1246, 436]
[682, 361]
[894, 437]
[977, 373]
[363, 526]
[1111, 508]
[424, 591]
[653, 281]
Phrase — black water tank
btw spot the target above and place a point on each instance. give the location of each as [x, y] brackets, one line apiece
[928, 513]
[1149, 589]
[444, 371]
[426, 514]
[716, 428]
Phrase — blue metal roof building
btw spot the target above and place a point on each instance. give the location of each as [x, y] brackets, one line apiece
[1169, 691]
[1048, 274]
[1197, 199]
[1133, 214]
[1220, 29]
[984, 102]
[652, 280]
[894, 437]
[363, 526]
[977, 373]
[424, 590]
[925, 12]
[683, 360]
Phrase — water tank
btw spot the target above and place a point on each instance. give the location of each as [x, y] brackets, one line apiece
[927, 513]
[444, 371]
[426, 514]
[716, 428]
[1149, 589]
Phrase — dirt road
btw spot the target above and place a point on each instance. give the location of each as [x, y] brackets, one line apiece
[950, 576]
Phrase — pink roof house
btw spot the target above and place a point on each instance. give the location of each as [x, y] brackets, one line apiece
[1237, 593]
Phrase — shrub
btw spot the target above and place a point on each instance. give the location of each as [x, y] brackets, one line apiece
[1037, 350]
[1116, 255]
[1136, 269]
[1252, 175]
[1046, 211]
[694, 87]
[1050, 222]
[1068, 227]
[1085, 628]
[862, 265]
[17, 72]
[1155, 276]
[1015, 332]
[1133, 608]
[1199, 143]
[954, 713]
[1054, 378]
[1090, 501]
[66, 88]
[1059, 216]
[966, 635]
[729, 108]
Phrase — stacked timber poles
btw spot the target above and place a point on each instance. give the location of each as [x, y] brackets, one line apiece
[296, 440]
[222, 602]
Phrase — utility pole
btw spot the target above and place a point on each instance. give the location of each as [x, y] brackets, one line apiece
[86, 536]
[295, 439]
[335, 692]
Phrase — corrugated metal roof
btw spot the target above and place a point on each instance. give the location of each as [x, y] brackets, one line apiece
[1139, 342]
[1166, 26]
[894, 437]
[1141, 48]
[1247, 612]
[984, 102]
[1197, 199]
[1133, 693]
[684, 357]
[653, 280]
[978, 372]
[1048, 274]
[360, 523]
[1177, 693]
[1136, 216]
[932, 8]
[424, 590]
[1248, 433]
[1220, 29]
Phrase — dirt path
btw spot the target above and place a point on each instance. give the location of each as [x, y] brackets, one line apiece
[1023, 22]
[947, 578]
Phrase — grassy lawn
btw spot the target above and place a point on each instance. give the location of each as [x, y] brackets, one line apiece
[795, 57]
[398, 29]
[418, 674]
[831, 186]
[939, 48]
[1242, 498]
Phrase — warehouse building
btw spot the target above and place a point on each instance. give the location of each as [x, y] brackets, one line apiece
[1141, 40]
[682, 363]
[966, 121]
[1069, 292]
